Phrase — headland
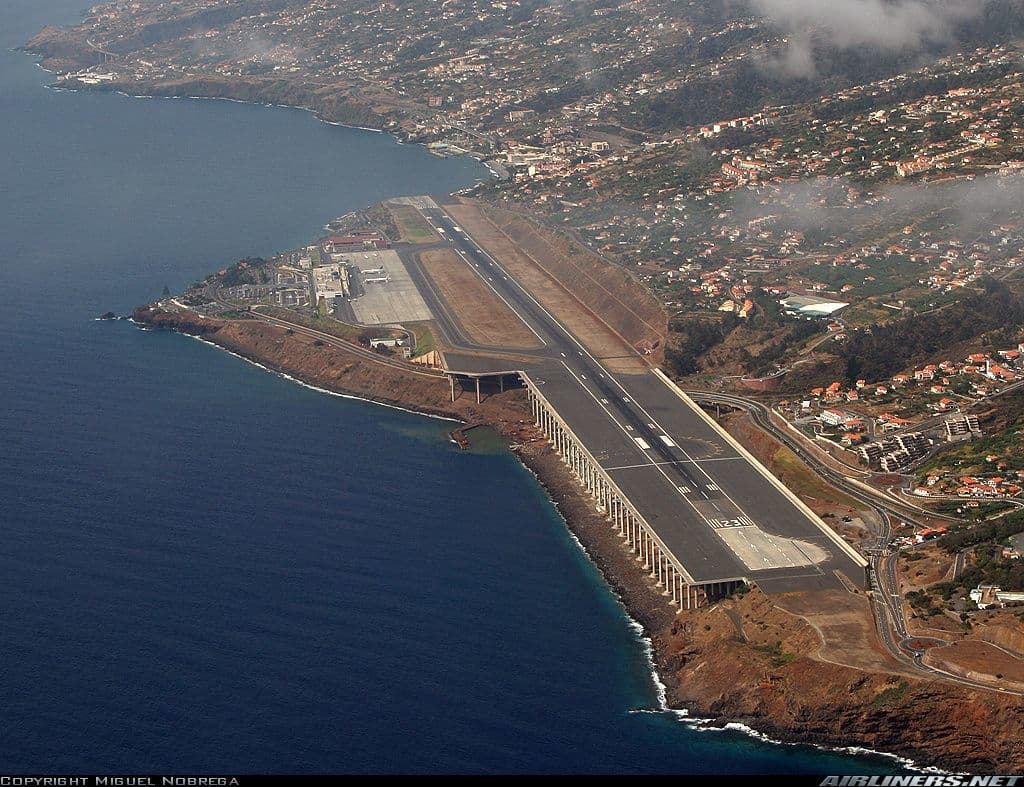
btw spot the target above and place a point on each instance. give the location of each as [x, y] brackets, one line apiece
[408, 314]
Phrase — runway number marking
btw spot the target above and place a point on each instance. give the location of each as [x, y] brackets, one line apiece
[721, 524]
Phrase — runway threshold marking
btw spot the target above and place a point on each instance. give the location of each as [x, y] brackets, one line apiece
[581, 351]
[673, 462]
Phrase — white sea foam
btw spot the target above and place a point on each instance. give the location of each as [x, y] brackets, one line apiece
[314, 387]
[682, 715]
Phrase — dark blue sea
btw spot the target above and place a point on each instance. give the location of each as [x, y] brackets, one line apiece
[208, 568]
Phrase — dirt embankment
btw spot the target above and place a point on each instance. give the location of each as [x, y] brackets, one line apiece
[800, 668]
[749, 660]
[334, 369]
[606, 289]
[486, 319]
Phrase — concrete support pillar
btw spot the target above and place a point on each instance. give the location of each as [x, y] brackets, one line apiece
[451, 379]
[478, 390]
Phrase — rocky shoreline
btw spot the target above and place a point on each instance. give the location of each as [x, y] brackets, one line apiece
[61, 51]
[779, 665]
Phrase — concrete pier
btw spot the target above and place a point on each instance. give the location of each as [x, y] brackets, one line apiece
[666, 570]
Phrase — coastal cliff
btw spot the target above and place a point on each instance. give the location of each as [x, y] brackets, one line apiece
[798, 668]
[68, 51]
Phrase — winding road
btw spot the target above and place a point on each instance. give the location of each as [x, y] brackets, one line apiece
[890, 617]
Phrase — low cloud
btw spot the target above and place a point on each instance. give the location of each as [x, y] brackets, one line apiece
[974, 206]
[890, 25]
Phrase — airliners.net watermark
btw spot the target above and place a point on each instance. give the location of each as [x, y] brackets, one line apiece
[922, 780]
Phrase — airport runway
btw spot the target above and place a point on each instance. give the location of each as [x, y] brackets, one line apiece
[720, 514]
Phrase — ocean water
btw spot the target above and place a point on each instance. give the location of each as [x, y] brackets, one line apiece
[208, 568]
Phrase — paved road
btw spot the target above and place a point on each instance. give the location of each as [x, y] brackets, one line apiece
[721, 516]
[890, 615]
[859, 490]
[347, 346]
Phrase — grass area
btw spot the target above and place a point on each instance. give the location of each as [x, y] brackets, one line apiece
[411, 224]
[342, 330]
[314, 254]
[890, 695]
[803, 483]
[970, 458]
[234, 314]
[425, 341]
[778, 656]
[867, 313]
[983, 511]
[873, 275]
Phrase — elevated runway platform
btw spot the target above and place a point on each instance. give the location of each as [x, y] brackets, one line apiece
[700, 511]
[714, 510]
